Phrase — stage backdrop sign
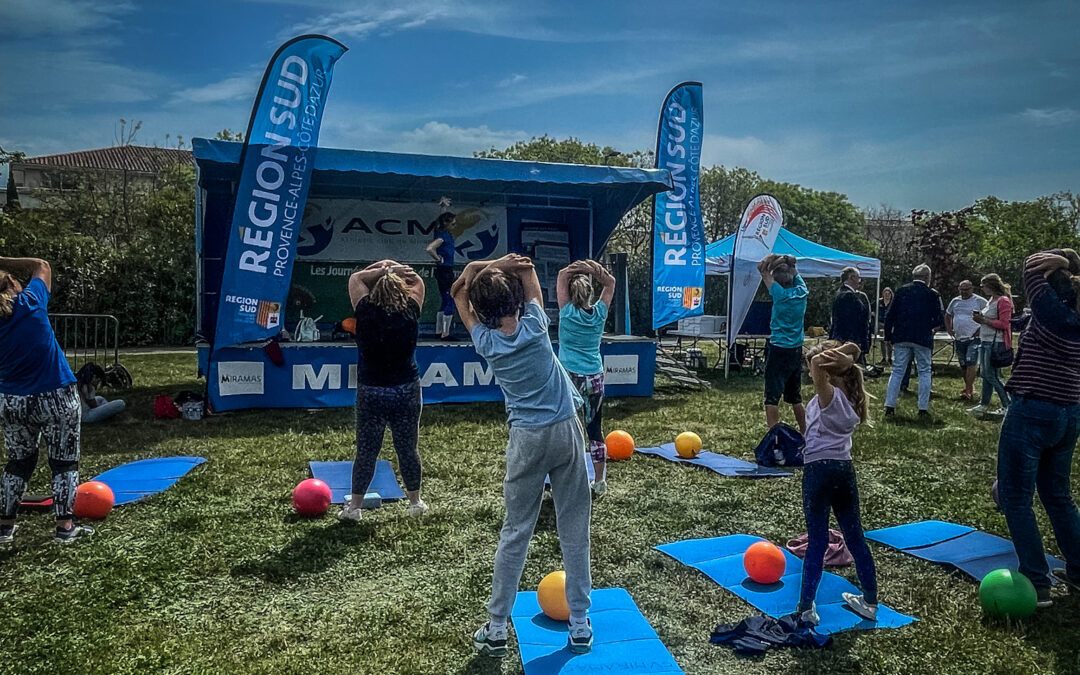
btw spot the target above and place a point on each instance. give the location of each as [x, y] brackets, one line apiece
[755, 238]
[357, 229]
[275, 175]
[678, 231]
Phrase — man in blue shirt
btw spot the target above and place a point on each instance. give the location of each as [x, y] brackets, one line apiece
[784, 359]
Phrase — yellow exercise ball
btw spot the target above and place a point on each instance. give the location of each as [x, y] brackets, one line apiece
[551, 594]
[688, 445]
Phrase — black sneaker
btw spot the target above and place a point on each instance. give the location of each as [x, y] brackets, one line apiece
[490, 642]
[7, 534]
[73, 534]
[924, 414]
[581, 637]
[1042, 597]
[1061, 575]
[889, 412]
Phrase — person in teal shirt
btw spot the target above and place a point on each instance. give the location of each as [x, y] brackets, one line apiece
[784, 359]
[581, 325]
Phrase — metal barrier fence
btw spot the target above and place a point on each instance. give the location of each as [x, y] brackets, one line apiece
[84, 337]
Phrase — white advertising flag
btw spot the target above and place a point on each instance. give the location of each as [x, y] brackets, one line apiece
[754, 240]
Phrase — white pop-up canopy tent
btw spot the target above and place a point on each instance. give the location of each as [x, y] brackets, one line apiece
[813, 260]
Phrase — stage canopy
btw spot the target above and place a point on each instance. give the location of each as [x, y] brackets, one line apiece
[813, 260]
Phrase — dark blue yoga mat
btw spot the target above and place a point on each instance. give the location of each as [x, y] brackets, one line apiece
[721, 464]
[623, 640]
[720, 559]
[973, 552]
[338, 475]
[138, 480]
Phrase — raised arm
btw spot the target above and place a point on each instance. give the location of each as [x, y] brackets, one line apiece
[765, 269]
[460, 292]
[417, 290]
[360, 283]
[606, 279]
[32, 268]
[562, 282]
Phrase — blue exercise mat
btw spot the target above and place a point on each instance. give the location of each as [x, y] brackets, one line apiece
[338, 475]
[136, 481]
[623, 640]
[973, 552]
[720, 559]
[721, 464]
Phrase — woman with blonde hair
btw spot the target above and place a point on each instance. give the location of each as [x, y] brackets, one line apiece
[581, 324]
[38, 399]
[386, 299]
[838, 406]
[995, 336]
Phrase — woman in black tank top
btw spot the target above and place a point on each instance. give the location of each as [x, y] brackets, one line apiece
[386, 299]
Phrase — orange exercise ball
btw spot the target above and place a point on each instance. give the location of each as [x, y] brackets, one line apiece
[620, 445]
[764, 562]
[551, 594]
[93, 500]
[688, 445]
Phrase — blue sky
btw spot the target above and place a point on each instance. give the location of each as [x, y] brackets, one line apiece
[915, 104]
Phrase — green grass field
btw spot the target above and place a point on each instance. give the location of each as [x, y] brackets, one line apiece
[218, 575]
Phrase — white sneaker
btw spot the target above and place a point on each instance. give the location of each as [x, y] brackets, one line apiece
[599, 487]
[418, 509]
[860, 606]
[1000, 412]
[810, 616]
[350, 511]
[979, 410]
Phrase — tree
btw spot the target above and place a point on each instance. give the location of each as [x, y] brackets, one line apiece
[229, 135]
[944, 241]
[569, 151]
[724, 196]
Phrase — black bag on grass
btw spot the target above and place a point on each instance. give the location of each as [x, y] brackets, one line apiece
[782, 446]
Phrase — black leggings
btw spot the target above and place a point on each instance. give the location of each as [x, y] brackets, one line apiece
[376, 408]
[830, 484]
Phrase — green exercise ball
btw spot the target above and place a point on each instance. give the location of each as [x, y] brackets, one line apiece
[1007, 593]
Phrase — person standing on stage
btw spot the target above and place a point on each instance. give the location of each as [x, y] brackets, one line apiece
[441, 249]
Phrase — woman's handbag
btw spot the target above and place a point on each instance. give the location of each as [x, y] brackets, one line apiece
[1000, 355]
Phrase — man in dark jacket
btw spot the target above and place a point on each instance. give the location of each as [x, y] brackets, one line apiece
[915, 314]
[851, 312]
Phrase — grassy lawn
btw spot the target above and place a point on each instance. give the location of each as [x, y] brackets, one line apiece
[218, 575]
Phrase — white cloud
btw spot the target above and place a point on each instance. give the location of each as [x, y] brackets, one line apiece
[1051, 117]
[235, 88]
[439, 138]
[29, 18]
[384, 17]
[516, 78]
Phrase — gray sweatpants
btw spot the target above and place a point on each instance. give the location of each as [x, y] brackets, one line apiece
[532, 454]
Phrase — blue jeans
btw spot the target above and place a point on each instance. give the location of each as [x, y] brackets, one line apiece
[1035, 450]
[991, 377]
[903, 353]
[829, 484]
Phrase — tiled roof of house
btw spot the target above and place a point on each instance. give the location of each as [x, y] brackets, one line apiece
[137, 158]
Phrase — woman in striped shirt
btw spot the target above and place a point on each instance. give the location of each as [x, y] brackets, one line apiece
[1040, 431]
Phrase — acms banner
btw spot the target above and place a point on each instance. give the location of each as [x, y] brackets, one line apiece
[363, 230]
[678, 231]
[755, 238]
[275, 176]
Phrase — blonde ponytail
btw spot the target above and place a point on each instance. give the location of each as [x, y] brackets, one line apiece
[581, 290]
[390, 293]
[7, 298]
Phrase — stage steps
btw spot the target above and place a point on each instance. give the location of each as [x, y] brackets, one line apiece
[667, 364]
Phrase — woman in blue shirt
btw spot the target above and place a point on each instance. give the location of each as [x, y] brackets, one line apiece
[38, 398]
[441, 250]
[581, 324]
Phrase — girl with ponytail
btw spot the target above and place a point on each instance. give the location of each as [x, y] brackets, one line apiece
[386, 299]
[581, 325]
[38, 399]
[838, 406]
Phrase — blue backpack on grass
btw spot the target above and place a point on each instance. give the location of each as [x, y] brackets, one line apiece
[782, 446]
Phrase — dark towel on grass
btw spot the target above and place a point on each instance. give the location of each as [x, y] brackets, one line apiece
[758, 634]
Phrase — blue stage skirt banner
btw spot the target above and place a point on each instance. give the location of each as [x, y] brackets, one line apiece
[325, 376]
[275, 174]
[678, 231]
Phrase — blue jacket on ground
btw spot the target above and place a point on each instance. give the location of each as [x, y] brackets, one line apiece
[914, 314]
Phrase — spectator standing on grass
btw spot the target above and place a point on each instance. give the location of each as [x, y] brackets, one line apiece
[882, 309]
[961, 325]
[38, 399]
[995, 334]
[784, 358]
[910, 324]
[1040, 431]
[851, 312]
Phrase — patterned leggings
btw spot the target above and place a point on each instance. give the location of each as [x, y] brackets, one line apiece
[591, 388]
[56, 415]
[376, 408]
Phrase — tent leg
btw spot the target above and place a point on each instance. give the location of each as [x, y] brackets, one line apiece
[877, 319]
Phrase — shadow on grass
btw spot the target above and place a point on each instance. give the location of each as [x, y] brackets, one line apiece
[316, 551]
[1044, 630]
[484, 665]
